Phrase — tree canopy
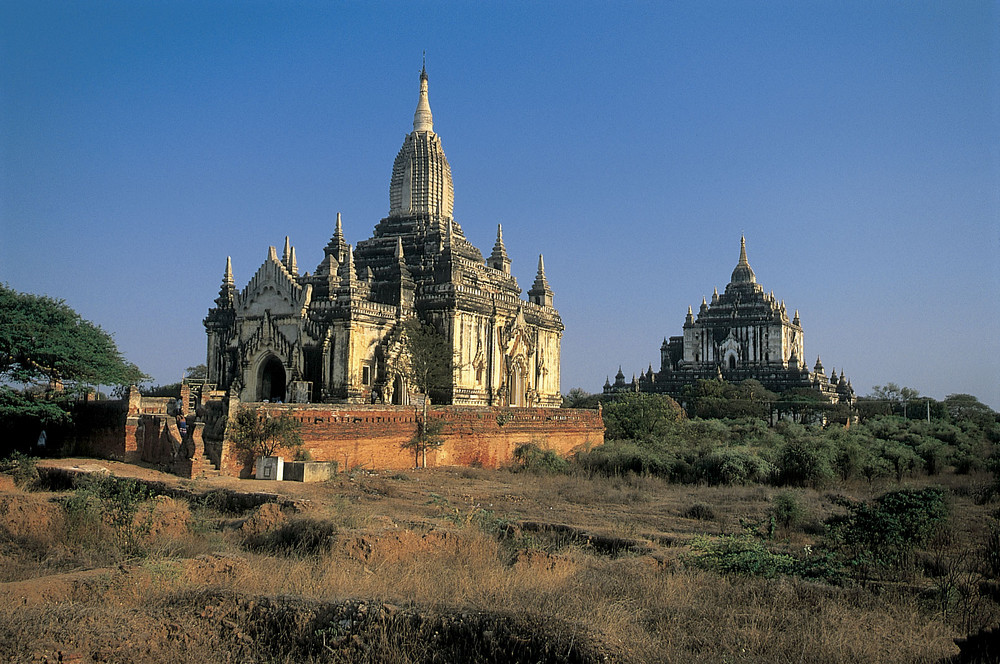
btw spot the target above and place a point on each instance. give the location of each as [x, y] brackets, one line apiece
[42, 338]
[260, 435]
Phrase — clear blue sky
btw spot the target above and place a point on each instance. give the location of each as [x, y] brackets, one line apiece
[856, 144]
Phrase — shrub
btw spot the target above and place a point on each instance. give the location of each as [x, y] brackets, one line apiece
[623, 457]
[743, 555]
[699, 511]
[803, 461]
[733, 466]
[787, 511]
[532, 458]
[297, 537]
[22, 468]
[120, 503]
[880, 536]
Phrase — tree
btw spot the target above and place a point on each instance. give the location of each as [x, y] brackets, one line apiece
[260, 435]
[639, 416]
[429, 360]
[427, 437]
[43, 338]
[578, 398]
[895, 396]
[967, 408]
[197, 371]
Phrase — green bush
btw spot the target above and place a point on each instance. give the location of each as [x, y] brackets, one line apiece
[804, 461]
[787, 511]
[734, 465]
[532, 458]
[622, 457]
[879, 537]
[121, 503]
[22, 468]
[742, 555]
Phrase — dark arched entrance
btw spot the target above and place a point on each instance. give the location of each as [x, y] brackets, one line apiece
[732, 361]
[272, 381]
[398, 391]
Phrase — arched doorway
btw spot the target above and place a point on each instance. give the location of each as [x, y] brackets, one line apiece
[272, 380]
[398, 391]
[732, 361]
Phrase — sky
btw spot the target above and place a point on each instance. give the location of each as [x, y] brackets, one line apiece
[856, 145]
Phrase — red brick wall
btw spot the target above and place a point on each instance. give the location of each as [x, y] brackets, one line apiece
[370, 436]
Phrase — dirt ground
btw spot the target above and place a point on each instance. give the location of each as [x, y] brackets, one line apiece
[594, 564]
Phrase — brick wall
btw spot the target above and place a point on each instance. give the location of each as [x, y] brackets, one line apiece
[370, 436]
[355, 436]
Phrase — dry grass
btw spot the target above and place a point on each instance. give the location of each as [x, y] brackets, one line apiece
[422, 542]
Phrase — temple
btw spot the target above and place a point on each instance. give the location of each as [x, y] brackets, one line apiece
[743, 333]
[335, 335]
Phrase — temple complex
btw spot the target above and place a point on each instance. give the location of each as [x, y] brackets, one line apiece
[743, 333]
[335, 334]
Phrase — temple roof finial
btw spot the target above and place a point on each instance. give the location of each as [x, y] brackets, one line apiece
[422, 118]
[743, 272]
[499, 260]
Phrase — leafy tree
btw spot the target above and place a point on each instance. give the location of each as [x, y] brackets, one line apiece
[803, 403]
[44, 339]
[967, 408]
[577, 398]
[640, 416]
[260, 435]
[429, 358]
[197, 371]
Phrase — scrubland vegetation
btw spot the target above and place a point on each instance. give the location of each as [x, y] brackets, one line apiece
[679, 540]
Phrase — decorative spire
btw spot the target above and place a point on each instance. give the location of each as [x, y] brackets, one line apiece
[540, 292]
[336, 246]
[227, 294]
[422, 118]
[286, 252]
[743, 274]
[272, 254]
[499, 260]
[293, 265]
[399, 248]
[349, 276]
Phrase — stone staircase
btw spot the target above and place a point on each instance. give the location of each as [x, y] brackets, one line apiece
[202, 466]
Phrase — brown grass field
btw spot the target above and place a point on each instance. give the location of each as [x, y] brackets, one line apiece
[462, 564]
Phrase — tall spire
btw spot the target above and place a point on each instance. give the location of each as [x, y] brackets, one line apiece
[540, 292]
[499, 260]
[337, 246]
[227, 294]
[743, 274]
[422, 118]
